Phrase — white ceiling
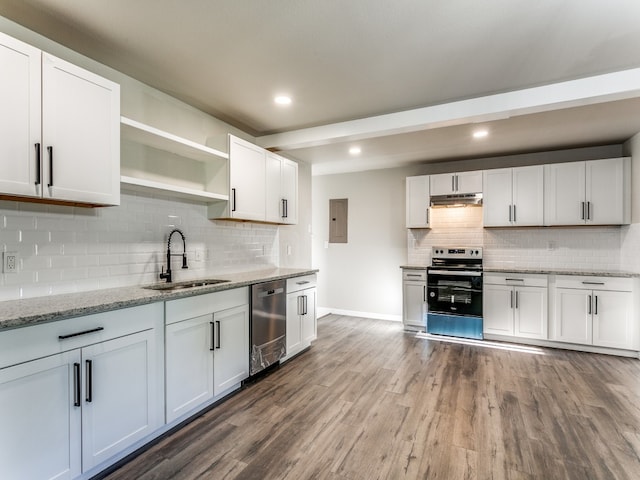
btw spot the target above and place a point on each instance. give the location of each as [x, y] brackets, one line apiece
[343, 61]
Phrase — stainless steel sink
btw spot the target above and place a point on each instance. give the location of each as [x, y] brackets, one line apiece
[183, 285]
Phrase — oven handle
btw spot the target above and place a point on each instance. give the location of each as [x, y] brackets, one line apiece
[455, 273]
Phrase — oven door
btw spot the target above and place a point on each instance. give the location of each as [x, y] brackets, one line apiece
[455, 292]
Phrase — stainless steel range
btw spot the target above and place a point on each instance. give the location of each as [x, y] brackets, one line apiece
[454, 292]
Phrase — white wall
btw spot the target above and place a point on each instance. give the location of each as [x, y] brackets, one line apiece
[68, 249]
[363, 275]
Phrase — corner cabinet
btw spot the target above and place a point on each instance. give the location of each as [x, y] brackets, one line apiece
[515, 305]
[595, 192]
[301, 314]
[418, 208]
[60, 135]
[513, 197]
[595, 311]
[79, 391]
[207, 349]
[414, 298]
[160, 162]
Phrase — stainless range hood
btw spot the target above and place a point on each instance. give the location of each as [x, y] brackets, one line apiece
[457, 200]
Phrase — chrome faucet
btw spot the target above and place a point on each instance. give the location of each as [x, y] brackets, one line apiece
[167, 275]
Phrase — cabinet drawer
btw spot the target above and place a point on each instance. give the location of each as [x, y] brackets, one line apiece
[191, 307]
[516, 279]
[414, 275]
[595, 283]
[28, 343]
[300, 283]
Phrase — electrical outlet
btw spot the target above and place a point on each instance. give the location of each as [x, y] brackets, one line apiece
[199, 255]
[10, 263]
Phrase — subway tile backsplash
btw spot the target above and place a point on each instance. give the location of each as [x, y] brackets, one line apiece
[69, 249]
[573, 248]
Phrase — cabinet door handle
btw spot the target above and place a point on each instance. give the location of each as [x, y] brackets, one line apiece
[233, 199]
[38, 167]
[213, 336]
[218, 339]
[516, 299]
[510, 213]
[588, 210]
[299, 310]
[304, 302]
[424, 293]
[76, 385]
[589, 304]
[427, 215]
[89, 384]
[582, 217]
[595, 310]
[77, 334]
[285, 208]
[514, 214]
[511, 296]
[453, 183]
[50, 150]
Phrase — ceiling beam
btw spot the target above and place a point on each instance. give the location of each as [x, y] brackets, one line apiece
[573, 93]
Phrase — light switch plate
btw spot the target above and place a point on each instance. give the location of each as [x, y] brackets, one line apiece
[10, 262]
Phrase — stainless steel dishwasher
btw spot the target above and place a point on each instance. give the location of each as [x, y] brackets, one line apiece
[267, 335]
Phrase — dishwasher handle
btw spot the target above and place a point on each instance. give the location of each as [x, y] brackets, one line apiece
[271, 292]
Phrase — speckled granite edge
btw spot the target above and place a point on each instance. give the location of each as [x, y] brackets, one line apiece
[541, 271]
[32, 311]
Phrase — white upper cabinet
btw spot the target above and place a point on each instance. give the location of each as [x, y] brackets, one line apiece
[513, 197]
[59, 129]
[263, 186]
[20, 118]
[281, 190]
[247, 173]
[595, 192]
[80, 134]
[456, 183]
[418, 202]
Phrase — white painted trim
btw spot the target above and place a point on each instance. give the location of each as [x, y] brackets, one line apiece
[573, 93]
[322, 311]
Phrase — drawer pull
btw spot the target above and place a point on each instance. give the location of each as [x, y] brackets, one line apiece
[414, 275]
[514, 279]
[71, 335]
[593, 283]
[303, 282]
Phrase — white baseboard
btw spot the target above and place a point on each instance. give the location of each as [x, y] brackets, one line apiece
[322, 311]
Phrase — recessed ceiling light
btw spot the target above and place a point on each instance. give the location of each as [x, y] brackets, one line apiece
[355, 151]
[480, 133]
[282, 100]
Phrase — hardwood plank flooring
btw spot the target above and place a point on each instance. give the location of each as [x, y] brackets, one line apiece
[369, 401]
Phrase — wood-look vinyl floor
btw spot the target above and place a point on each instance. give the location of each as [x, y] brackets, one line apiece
[369, 401]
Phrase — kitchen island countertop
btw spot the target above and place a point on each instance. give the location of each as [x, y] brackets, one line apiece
[31, 311]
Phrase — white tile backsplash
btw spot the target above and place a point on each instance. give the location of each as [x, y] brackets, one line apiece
[580, 248]
[70, 249]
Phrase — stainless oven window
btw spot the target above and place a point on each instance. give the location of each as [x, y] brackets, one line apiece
[455, 294]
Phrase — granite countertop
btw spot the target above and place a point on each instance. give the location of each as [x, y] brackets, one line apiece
[545, 271]
[552, 271]
[31, 311]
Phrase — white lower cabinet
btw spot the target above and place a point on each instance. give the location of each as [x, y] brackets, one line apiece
[515, 305]
[41, 427]
[595, 311]
[207, 348]
[65, 413]
[414, 298]
[301, 314]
